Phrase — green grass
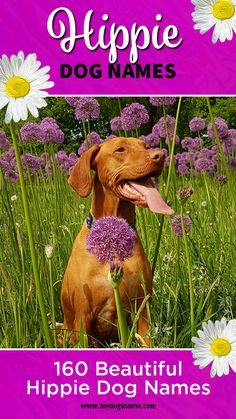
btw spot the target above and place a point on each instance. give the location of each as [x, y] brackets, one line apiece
[57, 215]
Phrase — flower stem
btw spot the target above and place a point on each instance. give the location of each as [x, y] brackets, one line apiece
[52, 302]
[85, 134]
[190, 280]
[122, 323]
[45, 325]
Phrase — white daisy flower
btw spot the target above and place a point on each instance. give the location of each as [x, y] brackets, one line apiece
[22, 82]
[220, 14]
[216, 344]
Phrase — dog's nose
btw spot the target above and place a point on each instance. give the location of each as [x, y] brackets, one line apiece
[158, 156]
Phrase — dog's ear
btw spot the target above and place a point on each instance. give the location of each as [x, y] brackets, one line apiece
[80, 178]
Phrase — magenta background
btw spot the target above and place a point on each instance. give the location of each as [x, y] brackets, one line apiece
[202, 68]
[18, 366]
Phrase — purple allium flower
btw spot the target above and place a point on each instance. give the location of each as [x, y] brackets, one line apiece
[207, 153]
[232, 163]
[32, 163]
[73, 158]
[221, 178]
[197, 124]
[183, 169]
[117, 124]
[167, 161]
[166, 124]
[110, 137]
[116, 266]
[31, 132]
[165, 152]
[191, 144]
[229, 142]
[177, 139]
[221, 126]
[215, 159]
[62, 160]
[134, 115]
[8, 165]
[186, 157]
[87, 108]
[3, 140]
[232, 135]
[177, 225]
[72, 100]
[162, 101]
[12, 176]
[151, 140]
[91, 139]
[62, 156]
[42, 159]
[50, 131]
[204, 165]
[111, 239]
[184, 193]
[156, 132]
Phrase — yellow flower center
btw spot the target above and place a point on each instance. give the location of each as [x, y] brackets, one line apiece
[220, 347]
[17, 87]
[223, 9]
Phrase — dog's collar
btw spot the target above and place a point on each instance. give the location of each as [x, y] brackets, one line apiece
[90, 221]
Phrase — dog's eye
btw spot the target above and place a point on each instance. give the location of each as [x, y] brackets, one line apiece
[120, 150]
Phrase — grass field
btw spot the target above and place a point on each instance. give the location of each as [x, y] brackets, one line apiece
[205, 261]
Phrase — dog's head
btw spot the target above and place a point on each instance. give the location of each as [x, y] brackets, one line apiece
[125, 167]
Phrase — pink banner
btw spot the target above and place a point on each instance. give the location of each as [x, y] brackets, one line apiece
[112, 383]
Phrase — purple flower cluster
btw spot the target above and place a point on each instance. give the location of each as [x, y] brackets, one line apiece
[162, 101]
[33, 165]
[177, 224]
[191, 144]
[232, 163]
[204, 165]
[87, 108]
[221, 126]
[51, 133]
[134, 115]
[184, 193]
[91, 139]
[3, 140]
[46, 132]
[30, 164]
[31, 132]
[72, 100]
[111, 239]
[8, 165]
[151, 140]
[156, 132]
[201, 161]
[166, 126]
[65, 162]
[117, 124]
[221, 179]
[229, 143]
[197, 124]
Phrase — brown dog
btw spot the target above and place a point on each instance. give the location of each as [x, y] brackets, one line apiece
[123, 167]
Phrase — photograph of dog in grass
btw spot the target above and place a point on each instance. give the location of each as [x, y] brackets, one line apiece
[117, 222]
[124, 168]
